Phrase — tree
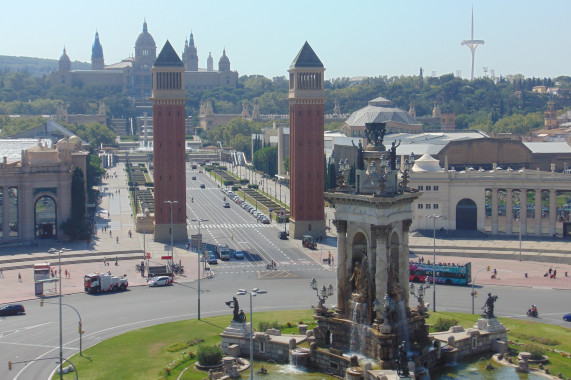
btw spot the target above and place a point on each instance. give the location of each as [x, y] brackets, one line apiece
[286, 164]
[76, 227]
[266, 159]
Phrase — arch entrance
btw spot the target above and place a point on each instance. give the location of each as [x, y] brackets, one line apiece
[45, 218]
[466, 215]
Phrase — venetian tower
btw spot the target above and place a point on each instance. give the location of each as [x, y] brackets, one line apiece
[306, 108]
[97, 61]
[168, 145]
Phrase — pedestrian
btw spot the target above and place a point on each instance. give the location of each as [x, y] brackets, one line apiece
[69, 275]
[104, 261]
[332, 260]
[88, 241]
[55, 272]
[116, 261]
[555, 273]
[19, 277]
[1, 273]
[550, 270]
[66, 273]
[117, 239]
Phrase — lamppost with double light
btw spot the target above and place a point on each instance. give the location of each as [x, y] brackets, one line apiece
[434, 217]
[200, 220]
[252, 293]
[322, 294]
[59, 252]
[172, 244]
[80, 325]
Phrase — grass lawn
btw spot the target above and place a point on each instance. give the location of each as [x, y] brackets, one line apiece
[147, 353]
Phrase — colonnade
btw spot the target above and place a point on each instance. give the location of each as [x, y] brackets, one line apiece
[537, 218]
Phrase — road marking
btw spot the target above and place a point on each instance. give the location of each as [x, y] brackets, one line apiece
[277, 274]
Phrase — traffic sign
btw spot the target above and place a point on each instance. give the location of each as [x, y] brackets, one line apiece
[166, 257]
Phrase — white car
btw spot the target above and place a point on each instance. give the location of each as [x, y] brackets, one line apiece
[160, 281]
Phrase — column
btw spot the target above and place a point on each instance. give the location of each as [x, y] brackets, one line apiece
[342, 289]
[404, 270]
[494, 211]
[552, 211]
[509, 211]
[5, 220]
[537, 218]
[381, 274]
[523, 211]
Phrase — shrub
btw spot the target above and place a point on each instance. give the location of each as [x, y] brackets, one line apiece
[264, 325]
[537, 352]
[252, 186]
[443, 324]
[209, 355]
[235, 188]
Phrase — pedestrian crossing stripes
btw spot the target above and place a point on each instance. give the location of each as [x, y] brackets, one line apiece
[229, 225]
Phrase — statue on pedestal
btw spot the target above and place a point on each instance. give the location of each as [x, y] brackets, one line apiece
[489, 306]
[239, 315]
[359, 281]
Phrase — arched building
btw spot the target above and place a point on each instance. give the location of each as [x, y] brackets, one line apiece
[490, 201]
[133, 74]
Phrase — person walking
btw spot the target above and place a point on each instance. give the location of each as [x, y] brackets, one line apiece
[1, 273]
[19, 277]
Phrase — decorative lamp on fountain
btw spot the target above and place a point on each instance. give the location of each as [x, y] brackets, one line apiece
[419, 295]
[322, 294]
[407, 166]
[383, 308]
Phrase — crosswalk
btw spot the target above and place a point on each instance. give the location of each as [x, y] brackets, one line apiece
[228, 225]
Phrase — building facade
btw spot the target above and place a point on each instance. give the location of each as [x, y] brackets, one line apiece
[168, 146]
[133, 74]
[306, 105]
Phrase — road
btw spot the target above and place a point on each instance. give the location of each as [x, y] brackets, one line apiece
[35, 335]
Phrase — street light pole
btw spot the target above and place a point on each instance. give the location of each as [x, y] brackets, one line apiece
[172, 245]
[198, 261]
[145, 230]
[53, 250]
[80, 323]
[434, 217]
[474, 283]
[252, 293]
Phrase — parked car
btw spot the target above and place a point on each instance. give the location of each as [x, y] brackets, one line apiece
[226, 205]
[12, 309]
[202, 186]
[160, 281]
[282, 235]
[239, 255]
[567, 317]
[266, 220]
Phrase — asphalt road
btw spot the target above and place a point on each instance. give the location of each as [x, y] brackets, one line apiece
[35, 336]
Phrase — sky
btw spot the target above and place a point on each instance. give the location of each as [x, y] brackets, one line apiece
[352, 38]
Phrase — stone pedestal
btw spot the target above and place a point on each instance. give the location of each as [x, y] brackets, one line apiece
[491, 325]
[239, 329]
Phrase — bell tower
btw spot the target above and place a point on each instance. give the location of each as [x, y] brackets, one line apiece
[306, 107]
[169, 146]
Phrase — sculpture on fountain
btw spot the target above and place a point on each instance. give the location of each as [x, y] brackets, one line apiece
[489, 306]
[239, 315]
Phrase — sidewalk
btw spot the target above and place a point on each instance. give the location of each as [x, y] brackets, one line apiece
[114, 212]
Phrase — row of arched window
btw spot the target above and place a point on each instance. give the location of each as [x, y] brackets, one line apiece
[168, 81]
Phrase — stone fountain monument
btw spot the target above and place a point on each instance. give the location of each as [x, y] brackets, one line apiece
[373, 218]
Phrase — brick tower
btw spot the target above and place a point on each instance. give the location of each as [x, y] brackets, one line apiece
[169, 145]
[306, 121]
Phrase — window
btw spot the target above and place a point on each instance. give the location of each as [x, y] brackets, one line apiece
[262, 346]
[435, 206]
[420, 205]
[428, 206]
[427, 188]
[435, 188]
[420, 188]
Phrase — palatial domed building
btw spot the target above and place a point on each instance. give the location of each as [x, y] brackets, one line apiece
[133, 74]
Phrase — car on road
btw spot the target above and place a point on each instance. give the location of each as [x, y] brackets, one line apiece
[202, 186]
[239, 255]
[194, 178]
[160, 281]
[282, 235]
[212, 259]
[226, 205]
[567, 317]
[12, 309]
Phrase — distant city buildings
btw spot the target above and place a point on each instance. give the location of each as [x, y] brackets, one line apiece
[133, 74]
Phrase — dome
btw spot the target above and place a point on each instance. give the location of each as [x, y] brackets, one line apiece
[426, 164]
[145, 39]
[64, 62]
[76, 141]
[224, 63]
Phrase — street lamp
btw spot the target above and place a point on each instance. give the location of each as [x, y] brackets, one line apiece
[59, 251]
[198, 261]
[434, 217]
[172, 246]
[473, 283]
[80, 326]
[252, 293]
[322, 294]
